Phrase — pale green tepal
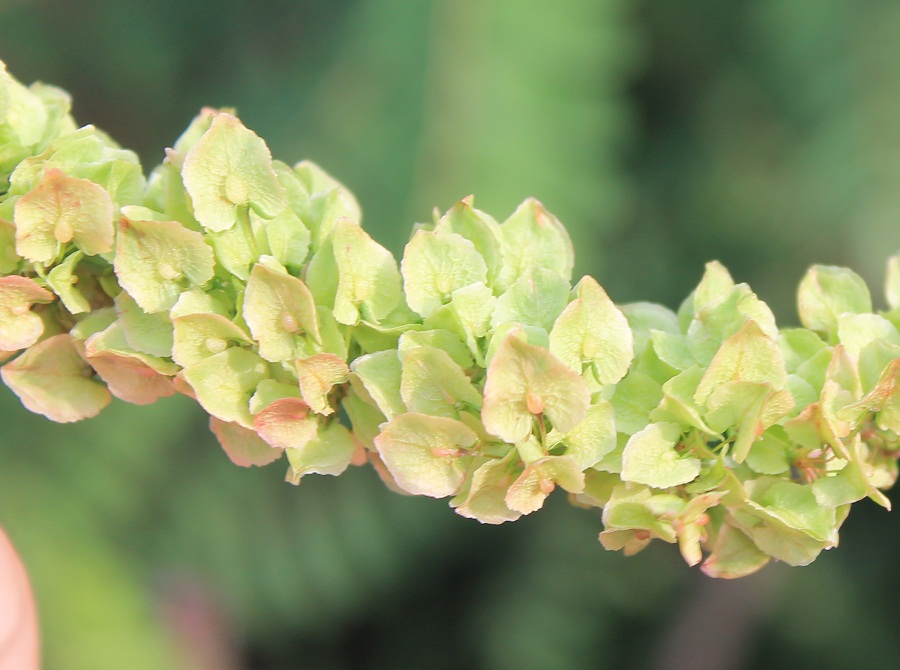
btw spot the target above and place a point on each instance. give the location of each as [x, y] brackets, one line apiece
[157, 260]
[424, 453]
[526, 383]
[19, 326]
[826, 292]
[593, 332]
[228, 171]
[63, 210]
[53, 379]
[435, 265]
[650, 458]
[281, 314]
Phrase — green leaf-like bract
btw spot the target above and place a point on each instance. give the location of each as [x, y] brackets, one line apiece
[473, 369]
[423, 453]
[228, 170]
[63, 210]
[525, 382]
[157, 260]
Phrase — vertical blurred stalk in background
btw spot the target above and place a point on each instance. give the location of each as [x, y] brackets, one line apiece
[523, 103]
[431, 101]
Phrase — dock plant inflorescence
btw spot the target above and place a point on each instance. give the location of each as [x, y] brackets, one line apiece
[473, 370]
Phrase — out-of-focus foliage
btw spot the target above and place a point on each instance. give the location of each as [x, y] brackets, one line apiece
[767, 141]
[759, 133]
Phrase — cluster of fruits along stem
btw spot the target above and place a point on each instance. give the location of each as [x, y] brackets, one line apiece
[475, 369]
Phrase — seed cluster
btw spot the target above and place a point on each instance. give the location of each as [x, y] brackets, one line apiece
[472, 370]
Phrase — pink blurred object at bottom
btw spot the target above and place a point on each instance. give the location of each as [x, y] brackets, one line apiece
[19, 649]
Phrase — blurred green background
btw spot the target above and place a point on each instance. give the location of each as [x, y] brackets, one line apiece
[763, 133]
